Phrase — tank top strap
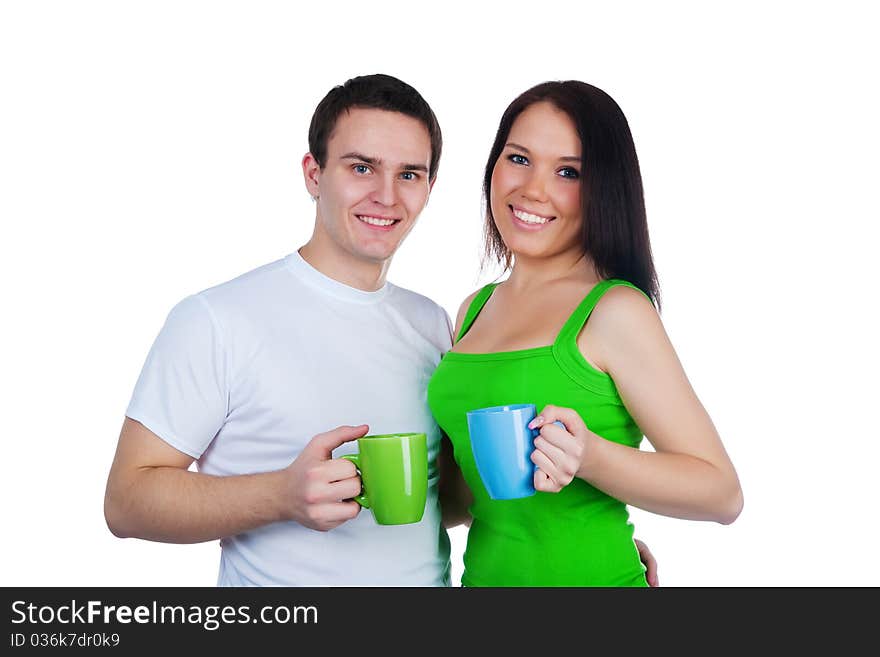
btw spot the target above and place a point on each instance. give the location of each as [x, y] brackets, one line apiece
[574, 324]
[474, 309]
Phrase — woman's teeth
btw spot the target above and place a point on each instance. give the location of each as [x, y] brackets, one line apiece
[530, 218]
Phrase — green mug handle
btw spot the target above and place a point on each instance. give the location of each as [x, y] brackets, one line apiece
[362, 498]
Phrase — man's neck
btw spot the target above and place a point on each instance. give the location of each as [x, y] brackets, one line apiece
[343, 267]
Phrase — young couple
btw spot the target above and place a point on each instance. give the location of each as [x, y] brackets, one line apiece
[247, 378]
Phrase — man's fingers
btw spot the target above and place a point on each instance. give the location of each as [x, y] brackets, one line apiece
[650, 563]
[345, 489]
[339, 469]
[333, 514]
[339, 512]
[329, 492]
[323, 444]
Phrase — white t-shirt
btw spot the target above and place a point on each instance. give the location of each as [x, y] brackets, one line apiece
[244, 374]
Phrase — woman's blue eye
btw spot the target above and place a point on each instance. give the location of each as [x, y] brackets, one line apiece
[569, 172]
[516, 158]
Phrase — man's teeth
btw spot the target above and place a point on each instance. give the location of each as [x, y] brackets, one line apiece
[376, 221]
[530, 218]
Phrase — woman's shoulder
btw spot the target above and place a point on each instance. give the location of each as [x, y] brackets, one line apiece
[622, 322]
[624, 314]
[621, 298]
[463, 308]
[623, 305]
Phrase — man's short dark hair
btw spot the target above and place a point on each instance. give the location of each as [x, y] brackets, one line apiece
[376, 91]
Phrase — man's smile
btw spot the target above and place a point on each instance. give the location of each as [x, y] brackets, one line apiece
[374, 221]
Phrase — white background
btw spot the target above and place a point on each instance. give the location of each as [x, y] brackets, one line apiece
[149, 150]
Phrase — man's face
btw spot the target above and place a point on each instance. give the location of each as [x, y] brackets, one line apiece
[374, 182]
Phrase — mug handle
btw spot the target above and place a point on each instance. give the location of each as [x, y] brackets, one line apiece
[362, 498]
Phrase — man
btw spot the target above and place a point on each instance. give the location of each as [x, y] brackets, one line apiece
[246, 377]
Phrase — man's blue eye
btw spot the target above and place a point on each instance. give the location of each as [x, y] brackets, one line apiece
[361, 168]
[408, 175]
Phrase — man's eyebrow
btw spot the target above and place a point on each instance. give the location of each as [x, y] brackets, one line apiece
[360, 156]
[375, 161]
[567, 158]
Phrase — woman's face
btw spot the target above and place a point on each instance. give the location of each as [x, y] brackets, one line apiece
[536, 189]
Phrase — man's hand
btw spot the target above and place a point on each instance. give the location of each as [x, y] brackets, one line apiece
[650, 563]
[317, 489]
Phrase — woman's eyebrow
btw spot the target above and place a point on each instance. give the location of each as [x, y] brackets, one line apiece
[567, 158]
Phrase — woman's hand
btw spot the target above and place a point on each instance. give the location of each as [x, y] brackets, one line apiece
[560, 452]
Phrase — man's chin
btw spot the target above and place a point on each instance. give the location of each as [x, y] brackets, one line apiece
[376, 256]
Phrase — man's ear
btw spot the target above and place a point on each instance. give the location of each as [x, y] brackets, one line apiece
[430, 189]
[311, 174]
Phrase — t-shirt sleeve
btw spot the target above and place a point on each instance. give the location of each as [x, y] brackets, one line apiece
[181, 394]
[447, 324]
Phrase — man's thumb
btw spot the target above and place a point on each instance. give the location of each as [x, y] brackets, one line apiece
[324, 443]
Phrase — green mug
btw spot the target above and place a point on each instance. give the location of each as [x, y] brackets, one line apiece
[394, 476]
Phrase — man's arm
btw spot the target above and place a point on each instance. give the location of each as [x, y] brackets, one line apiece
[650, 563]
[455, 496]
[152, 495]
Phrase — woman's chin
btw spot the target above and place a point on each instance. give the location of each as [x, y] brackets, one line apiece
[529, 252]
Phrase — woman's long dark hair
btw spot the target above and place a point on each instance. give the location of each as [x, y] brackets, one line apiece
[615, 226]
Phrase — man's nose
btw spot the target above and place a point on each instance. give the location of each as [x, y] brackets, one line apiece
[385, 192]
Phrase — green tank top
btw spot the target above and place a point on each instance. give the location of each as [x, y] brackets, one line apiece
[577, 537]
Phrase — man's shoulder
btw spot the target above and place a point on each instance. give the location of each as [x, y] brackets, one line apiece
[261, 276]
[417, 306]
[414, 300]
[248, 294]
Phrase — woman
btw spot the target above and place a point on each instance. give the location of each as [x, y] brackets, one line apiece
[565, 214]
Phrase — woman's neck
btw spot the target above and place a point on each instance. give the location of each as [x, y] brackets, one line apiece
[529, 274]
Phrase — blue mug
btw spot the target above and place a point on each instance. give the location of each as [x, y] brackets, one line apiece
[502, 444]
